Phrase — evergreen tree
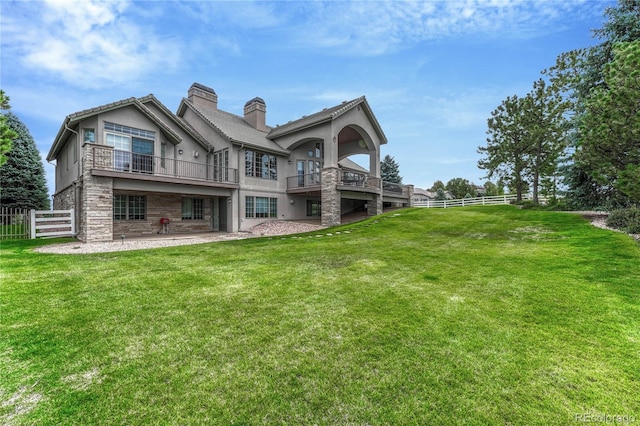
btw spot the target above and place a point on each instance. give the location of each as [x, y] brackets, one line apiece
[22, 177]
[6, 134]
[580, 75]
[610, 127]
[507, 145]
[545, 127]
[390, 170]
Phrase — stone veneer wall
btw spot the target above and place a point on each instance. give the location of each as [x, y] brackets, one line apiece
[96, 218]
[64, 200]
[161, 205]
[330, 198]
[374, 207]
[97, 213]
[411, 189]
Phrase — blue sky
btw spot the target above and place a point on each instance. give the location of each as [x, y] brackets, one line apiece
[432, 71]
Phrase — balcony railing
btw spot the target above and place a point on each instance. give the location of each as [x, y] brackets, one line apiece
[391, 187]
[107, 158]
[309, 181]
[358, 180]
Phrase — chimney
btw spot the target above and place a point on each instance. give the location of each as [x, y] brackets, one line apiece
[255, 113]
[204, 98]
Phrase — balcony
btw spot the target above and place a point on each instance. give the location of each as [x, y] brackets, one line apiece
[106, 161]
[304, 183]
[351, 181]
[390, 189]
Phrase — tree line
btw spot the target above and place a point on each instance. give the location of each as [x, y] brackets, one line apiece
[577, 132]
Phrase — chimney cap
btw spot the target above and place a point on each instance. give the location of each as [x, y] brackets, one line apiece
[255, 100]
[203, 87]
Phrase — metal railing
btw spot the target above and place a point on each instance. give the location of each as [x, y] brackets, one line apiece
[107, 158]
[392, 187]
[309, 180]
[14, 224]
[345, 178]
[359, 180]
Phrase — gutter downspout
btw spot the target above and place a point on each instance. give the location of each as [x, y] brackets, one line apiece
[239, 198]
[75, 182]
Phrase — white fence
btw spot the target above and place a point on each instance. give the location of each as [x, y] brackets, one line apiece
[53, 223]
[478, 201]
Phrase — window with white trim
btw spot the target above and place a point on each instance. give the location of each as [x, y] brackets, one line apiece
[133, 148]
[261, 165]
[259, 207]
[192, 209]
[129, 207]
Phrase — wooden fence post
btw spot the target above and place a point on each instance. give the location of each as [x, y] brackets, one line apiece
[32, 220]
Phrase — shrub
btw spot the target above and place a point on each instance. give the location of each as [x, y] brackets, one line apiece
[627, 220]
[558, 204]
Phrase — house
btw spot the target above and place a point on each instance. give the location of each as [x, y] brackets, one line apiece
[424, 195]
[133, 167]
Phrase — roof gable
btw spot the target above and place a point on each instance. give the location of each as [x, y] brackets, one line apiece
[76, 117]
[328, 114]
[184, 125]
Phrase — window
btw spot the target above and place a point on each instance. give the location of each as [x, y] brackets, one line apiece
[261, 207]
[221, 165]
[192, 209]
[129, 207]
[314, 208]
[248, 207]
[133, 148]
[163, 154]
[261, 165]
[89, 135]
[119, 207]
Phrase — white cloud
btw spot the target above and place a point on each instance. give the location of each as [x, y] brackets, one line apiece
[87, 43]
[373, 28]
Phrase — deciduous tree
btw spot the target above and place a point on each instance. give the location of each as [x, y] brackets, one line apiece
[461, 188]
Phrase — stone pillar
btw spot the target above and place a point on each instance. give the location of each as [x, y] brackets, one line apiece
[97, 203]
[374, 207]
[410, 189]
[330, 197]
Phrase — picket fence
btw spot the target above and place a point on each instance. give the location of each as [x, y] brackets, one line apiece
[478, 201]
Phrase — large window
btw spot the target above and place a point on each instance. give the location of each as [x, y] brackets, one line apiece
[314, 208]
[261, 207]
[221, 165]
[133, 148]
[129, 207]
[192, 209]
[261, 165]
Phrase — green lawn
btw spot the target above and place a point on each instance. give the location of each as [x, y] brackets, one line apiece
[485, 315]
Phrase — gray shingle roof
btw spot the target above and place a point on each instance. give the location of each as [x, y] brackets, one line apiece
[235, 129]
[327, 114]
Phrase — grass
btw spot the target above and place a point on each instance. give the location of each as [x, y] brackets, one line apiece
[486, 315]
